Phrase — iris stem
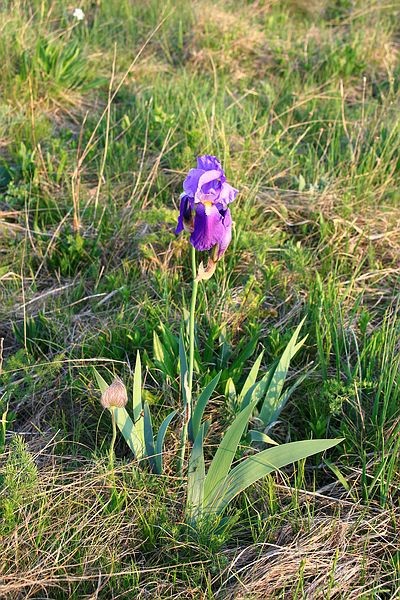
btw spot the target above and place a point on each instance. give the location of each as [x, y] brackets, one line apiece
[188, 408]
[191, 323]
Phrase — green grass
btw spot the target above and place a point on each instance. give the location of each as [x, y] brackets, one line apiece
[301, 102]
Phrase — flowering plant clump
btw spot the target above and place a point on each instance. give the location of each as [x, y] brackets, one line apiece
[204, 208]
[205, 214]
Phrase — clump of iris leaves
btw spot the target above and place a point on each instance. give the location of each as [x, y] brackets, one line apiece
[258, 406]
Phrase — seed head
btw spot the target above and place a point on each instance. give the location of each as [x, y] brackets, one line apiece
[115, 395]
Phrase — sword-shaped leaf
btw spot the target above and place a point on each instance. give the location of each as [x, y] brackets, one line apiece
[158, 459]
[273, 394]
[256, 467]
[195, 482]
[148, 436]
[198, 411]
[251, 377]
[222, 461]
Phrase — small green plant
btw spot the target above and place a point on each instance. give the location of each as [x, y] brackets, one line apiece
[137, 430]
[55, 67]
[210, 493]
[19, 479]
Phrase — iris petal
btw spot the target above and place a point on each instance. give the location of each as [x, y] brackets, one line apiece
[208, 163]
[185, 213]
[191, 182]
[208, 228]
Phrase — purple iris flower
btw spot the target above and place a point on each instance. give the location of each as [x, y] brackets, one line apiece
[204, 208]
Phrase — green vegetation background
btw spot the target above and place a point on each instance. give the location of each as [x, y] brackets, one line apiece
[100, 120]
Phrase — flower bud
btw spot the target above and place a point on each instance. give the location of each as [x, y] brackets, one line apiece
[115, 395]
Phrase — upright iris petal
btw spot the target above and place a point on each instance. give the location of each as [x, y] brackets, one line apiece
[204, 208]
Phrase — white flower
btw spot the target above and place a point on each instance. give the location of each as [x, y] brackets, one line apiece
[78, 14]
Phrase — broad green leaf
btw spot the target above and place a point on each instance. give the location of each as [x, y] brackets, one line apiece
[280, 405]
[103, 385]
[258, 390]
[200, 405]
[138, 408]
[158, 348]
[128, 430]
[137, 389]
[245, 354]
[259, 436]
[222, 461]
[251, 377]
[196, 477]
[272, 397]
[148, 435]
[158, 459]
[256, 467]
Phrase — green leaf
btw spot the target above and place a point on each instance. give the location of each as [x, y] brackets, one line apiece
[158, 348]
[103, 385]
[137, 389]
[251, 377]
[245, 354]
[138, 409]
[222, 461]
[165, 361]
[256, 467]
[259, 436]
[148, 436]
[272, 397]
[280, 405]
[258, 390]
[160, 441]
[128, 430]
[194, 425]
[196, 478]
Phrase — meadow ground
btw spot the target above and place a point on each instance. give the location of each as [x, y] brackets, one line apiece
[100, 119]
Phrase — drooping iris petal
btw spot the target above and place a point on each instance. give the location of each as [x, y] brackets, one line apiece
[191, 182]
[227, 236]
[209, 229]
[227, 194]
[185, 219]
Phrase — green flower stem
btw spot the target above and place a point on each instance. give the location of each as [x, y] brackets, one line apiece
[113, 439]
[189, 402]
[191, 324]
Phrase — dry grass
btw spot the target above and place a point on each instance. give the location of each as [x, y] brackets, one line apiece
[338, 556]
